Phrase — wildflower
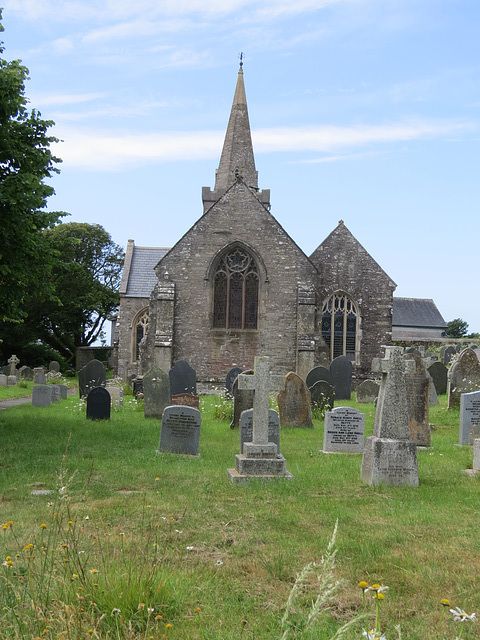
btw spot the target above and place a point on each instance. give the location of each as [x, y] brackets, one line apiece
[93, 571]
[363, 585]
[75, 575]
[459, 615]
[190, 548]
[158, 617]
[28, 546]
[172, 518]
[70, 522]
[86, 518]
[157, 479]
[197, 609]
[155, 544]
[373, 635]
[218, 563]
[150, 610]
[115, 612]
[43, 526]
[169, 625]
[445, 602]
[177, 531]
[141, 605]
[7, 563]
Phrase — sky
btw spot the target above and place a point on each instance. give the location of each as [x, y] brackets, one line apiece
[366, 111]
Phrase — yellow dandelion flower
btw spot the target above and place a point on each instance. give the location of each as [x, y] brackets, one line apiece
[141, 605]
[362, 584]
[158, 617]
[445, 602]
[197, 609]
[43, 526]
[168, 625]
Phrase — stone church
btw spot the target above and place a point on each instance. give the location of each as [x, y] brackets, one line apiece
[237, 285]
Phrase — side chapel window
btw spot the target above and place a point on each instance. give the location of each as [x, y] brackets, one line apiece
[235, 291]
[339, 325]
[140, 330]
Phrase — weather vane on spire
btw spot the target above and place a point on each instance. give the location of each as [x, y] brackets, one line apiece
[241, 55]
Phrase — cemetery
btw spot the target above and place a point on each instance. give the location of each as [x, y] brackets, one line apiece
[131, 504]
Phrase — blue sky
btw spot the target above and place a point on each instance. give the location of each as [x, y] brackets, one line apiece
[362, 110]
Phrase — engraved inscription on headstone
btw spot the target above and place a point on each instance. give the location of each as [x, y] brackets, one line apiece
[180, 431]
[469, 417]
[344, 431]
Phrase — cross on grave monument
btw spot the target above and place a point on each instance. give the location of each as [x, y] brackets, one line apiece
[260, 458]
[13, 361]
[389, 456]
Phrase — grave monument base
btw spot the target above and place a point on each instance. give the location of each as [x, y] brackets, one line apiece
[267, 468]
[390, 462]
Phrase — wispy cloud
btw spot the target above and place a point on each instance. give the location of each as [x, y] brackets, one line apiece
[100, 152]
[62, 100]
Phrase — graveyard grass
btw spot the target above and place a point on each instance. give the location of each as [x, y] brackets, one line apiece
[132, 544]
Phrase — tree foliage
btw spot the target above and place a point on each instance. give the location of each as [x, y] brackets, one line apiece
[456, 328]
[85, 280]
[25, 162]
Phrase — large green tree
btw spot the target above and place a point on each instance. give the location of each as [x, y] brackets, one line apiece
[85, 280]
[456, 328]
[25, 162]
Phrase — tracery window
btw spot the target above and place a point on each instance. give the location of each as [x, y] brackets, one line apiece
[140, 331]
[339, 325]
[235, 291]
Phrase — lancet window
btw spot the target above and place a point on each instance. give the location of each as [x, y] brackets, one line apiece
[140, 328]
[339, 325]
[235, 291]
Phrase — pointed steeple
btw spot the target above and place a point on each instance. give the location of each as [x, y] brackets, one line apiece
[237, 154]
[237, 160]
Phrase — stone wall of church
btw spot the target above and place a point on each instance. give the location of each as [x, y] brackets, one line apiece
[237, 217]
[126, 366]
[345, 266]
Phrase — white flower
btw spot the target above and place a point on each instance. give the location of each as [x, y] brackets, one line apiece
[459, 615]
[115, 612]
[373, 635]
[189, 548]
[150, 610]
[86, 518]
[177, 531]
[218, 563]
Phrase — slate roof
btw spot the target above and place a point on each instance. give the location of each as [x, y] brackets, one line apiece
[141, 276]
[416, 312]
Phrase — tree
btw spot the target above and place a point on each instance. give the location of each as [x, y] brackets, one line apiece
[25, 162]
[456, 328]
[85, 281]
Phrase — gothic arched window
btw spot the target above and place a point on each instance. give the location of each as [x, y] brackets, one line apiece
[339, 325]
[235, 291]
[140, 327]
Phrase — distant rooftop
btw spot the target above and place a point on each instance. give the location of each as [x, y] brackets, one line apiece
[141, 275]
[416, 312]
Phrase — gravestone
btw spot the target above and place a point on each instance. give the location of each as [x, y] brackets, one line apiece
[116, 396]
[183, 378]
[417, 384]
[11, 381]
[316, 374]
[344, 431]
[458, 347]
[230, 379]
[469, 417]
[367, 391]
[13, 361]
[186, 400]
[98, 404]
[63, 391]
[41, 395]
[39, 376]
[55, 392]
[476, 454]
[448, 354]
[54, 367]
[156, 392]
[439, 373]
[341, 372]
[294, 403]
[260, 458]
[389, 456]
[137, 387]
[26, 373]
[95, 376]
[3, 380]
[246, 428]
[463, 377]
[180, 430]
[242, 400]
[322, 395]
[432, 392]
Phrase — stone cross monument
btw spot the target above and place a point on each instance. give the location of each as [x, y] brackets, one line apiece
[260, 457]
[389, 456]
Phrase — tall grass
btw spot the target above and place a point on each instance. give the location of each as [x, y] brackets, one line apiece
[131, 535]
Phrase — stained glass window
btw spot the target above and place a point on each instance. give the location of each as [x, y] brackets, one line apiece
[339, 326]
[235, 295]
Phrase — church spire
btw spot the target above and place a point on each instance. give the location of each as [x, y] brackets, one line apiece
[237, 155]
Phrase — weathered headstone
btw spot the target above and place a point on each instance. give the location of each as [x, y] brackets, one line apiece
[316, 374]
[183, 378]
[439, 373]
[41, 395]
[294, 403]
[417, 384]
[11, 381]
[463, 377]
[98, 404]
[322, 395]
[476, 454]
[246, 428]
[180, 431]
[242, 400]
[95, 375]
[137, 387]
[367, 391]
[341, 372]
[13, 361]
[39, 376]
[186, 400]
[389, 456]
[54, 367]
[260, 458]
[63, 391]
[116, 396]
[230, 379]
[26, 373]
[432, 392]
[344, 431]
[458, 347]
[3, 380]
[156, 392]
[55, 392]
[448, 354]
[469, 417]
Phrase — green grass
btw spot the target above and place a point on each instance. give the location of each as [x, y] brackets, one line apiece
[249, 542]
